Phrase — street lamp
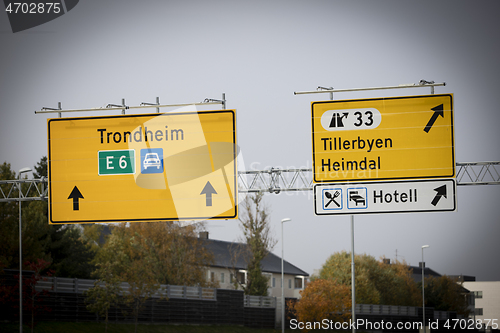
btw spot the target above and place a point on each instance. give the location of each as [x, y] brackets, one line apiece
[282, 277]
[423, 293]
[23, 170]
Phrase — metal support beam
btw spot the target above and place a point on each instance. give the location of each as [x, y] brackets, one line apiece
[421, 84]
[36, 189]
[123, 107]
[274, 180]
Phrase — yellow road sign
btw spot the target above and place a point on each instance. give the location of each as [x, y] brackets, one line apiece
[148, 167]
[383, 138]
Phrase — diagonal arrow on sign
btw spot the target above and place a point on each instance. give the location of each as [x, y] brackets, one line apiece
[438, 111]
[441, 192]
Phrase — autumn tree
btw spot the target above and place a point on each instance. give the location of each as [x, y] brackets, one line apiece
[258, 242]
[376, 281]
[338, 268]
[106, 292]
[445, 294]
[32, 298]
[397, 285]
[146, 255]
[121, 260]
[172, 252]
[104, 295]
[323, 299]
[30, 294]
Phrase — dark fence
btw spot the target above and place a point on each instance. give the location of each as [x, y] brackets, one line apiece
[66, 301]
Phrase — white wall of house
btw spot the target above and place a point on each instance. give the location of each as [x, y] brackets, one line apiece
[487, 302]
[293, 284]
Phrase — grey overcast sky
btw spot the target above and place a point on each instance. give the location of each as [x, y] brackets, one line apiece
[258, 53]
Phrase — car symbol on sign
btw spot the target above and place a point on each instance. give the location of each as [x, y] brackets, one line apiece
[151, 160]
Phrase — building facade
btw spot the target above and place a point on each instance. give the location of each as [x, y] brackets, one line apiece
[230, 269]
[487, 301]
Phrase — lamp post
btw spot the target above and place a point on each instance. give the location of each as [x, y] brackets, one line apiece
[23, 170]
[423, 288]
[282, 277]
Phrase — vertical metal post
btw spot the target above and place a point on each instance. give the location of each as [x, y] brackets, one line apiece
[23, 170]
[282, 276]
[158, 102]
[423, 292]
[353, 275]
[60, 108]
[123, 103]
[223, 101]
[423, 289]
[20, 264]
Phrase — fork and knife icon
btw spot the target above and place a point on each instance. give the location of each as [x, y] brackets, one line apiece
[332, 198]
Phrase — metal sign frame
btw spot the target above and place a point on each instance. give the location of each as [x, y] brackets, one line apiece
[404, 140]
[174, 199]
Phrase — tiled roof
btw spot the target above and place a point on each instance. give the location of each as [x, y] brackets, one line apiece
[223, 250]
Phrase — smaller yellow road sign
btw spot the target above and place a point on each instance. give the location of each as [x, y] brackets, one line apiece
[149, 167]
[383, 139]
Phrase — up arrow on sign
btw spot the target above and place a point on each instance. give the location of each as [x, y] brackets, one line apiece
[76, 195]
[208, 190]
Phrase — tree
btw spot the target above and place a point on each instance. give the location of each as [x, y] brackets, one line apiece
[9, 217]
[121, 260]
[338, 268]
[445, 294]
[323, 299]
[172, 252]
[75, 255]
[397, 285]
[105, 293]
[149, 254]
[62, 246]
[257, 236]
[376, 282]
[41, 168]
[33, 296]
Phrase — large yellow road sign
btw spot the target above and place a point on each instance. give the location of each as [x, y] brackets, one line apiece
[149, 167]
[383, 138]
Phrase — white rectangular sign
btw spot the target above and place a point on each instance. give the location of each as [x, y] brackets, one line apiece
[385, 197]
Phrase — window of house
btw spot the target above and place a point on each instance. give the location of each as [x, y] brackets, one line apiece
[212, 276]
[298, 283]
[274, 282]
[289, 283]
[221, 277]
[242, 277]
[269, 278]
[478, 311]
[478, 294]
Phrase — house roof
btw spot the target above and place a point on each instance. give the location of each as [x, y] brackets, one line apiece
[224, 253]
[417, 273]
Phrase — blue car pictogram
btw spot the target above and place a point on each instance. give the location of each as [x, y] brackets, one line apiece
[151, 160]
